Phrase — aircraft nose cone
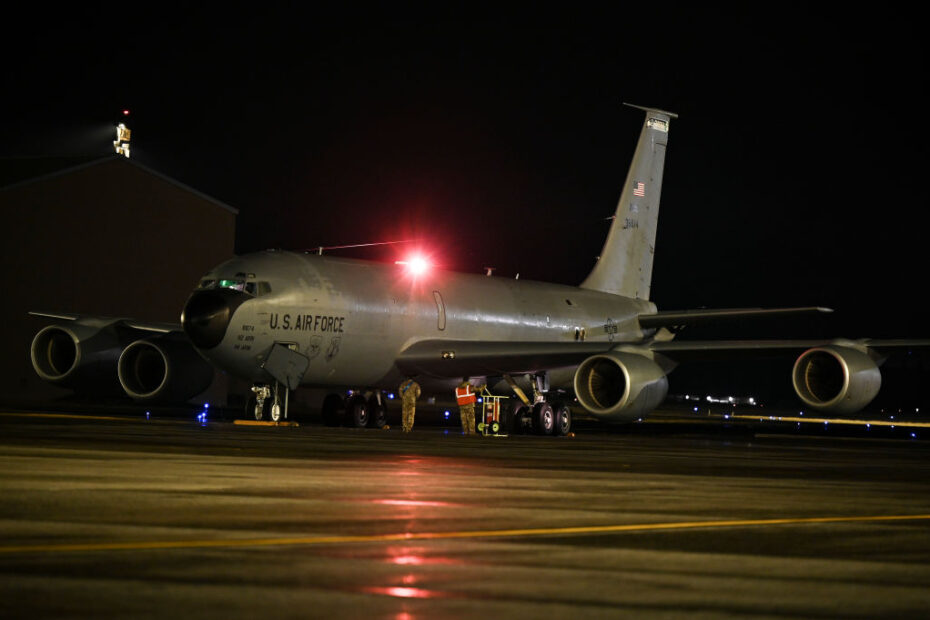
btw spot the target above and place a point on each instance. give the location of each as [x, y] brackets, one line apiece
[207, 314]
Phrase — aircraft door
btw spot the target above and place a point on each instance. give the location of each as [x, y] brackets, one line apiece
[286, 364]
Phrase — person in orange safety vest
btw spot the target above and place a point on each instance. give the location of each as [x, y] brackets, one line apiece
[466, 397]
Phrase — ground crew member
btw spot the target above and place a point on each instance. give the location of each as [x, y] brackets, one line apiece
[409, 393]
[465, 396]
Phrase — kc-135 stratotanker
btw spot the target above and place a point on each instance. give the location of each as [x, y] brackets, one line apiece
[282, 319]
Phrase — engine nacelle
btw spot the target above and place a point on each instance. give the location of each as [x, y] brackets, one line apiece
[163, 369]
[78, 356]
[835, 378]
[620, 387]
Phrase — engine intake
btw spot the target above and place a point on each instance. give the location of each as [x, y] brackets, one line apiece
[835, 378]
[77, 356]
[620, 387]
[162, 369]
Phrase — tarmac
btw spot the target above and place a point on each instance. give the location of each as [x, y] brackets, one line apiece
[119, 515]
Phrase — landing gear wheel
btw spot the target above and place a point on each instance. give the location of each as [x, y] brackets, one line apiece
[276, 412]
[543, 418]
[563, 419]
[252, 410]
[517, 415]
[507, 420]
[377, 413]
[357, 412]
[332, 408]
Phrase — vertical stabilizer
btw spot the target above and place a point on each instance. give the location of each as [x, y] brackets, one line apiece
[625, 265]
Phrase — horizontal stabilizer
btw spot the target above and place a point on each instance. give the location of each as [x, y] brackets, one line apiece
[646, 109]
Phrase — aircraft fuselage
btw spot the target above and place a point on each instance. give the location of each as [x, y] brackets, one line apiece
[352, 318]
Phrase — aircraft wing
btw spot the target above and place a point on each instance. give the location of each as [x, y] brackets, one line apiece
[453, 358]
[685, 350]
[459, 358]
[148, 326]
[146, 360]
[680, 318]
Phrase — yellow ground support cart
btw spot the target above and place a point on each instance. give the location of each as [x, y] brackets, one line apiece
[491, 407]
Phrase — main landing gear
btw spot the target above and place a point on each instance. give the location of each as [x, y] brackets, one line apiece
[545, 414]
[358, 410]
[542, 418]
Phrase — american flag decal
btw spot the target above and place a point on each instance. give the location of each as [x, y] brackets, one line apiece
[639, 190]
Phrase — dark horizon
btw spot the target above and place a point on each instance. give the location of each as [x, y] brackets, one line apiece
[793, 175]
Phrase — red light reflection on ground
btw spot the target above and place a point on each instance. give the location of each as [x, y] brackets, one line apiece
[415, 556]
[413, 560]
[404, 592]
[409, 502]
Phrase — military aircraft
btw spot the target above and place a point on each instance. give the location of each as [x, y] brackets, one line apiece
[282, 319]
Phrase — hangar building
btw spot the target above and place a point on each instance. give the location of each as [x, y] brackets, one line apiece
[102, 236]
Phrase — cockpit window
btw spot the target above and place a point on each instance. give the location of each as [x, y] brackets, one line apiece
[236, 285]
[256, 289]
[208, 283]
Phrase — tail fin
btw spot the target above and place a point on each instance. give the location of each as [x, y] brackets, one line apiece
[625, 265]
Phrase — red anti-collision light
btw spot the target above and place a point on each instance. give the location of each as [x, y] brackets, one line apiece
[416, 265]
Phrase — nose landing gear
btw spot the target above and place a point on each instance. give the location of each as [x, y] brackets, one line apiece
[266, 401]
[257, 402]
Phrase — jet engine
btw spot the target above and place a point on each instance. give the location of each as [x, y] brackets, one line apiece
[163, 369]
[836, 378]
[620, 387]
[81, 356]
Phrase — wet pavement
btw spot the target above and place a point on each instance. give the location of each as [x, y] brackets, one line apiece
[116, 516]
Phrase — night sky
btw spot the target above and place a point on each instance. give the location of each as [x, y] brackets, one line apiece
[795, 174]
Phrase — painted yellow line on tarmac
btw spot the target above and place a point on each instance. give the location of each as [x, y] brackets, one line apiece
[778, 418]
[407, 536]
[263, 423]
[64, 416]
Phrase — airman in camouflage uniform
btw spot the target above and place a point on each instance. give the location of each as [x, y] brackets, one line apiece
[409, 393]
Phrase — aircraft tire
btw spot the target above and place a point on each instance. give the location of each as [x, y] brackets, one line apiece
[357, 412]
[517, 414]
[377, 414]
[563, 419]
[543, 418]
[507, 424]
[251, 413]
[332, 409]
